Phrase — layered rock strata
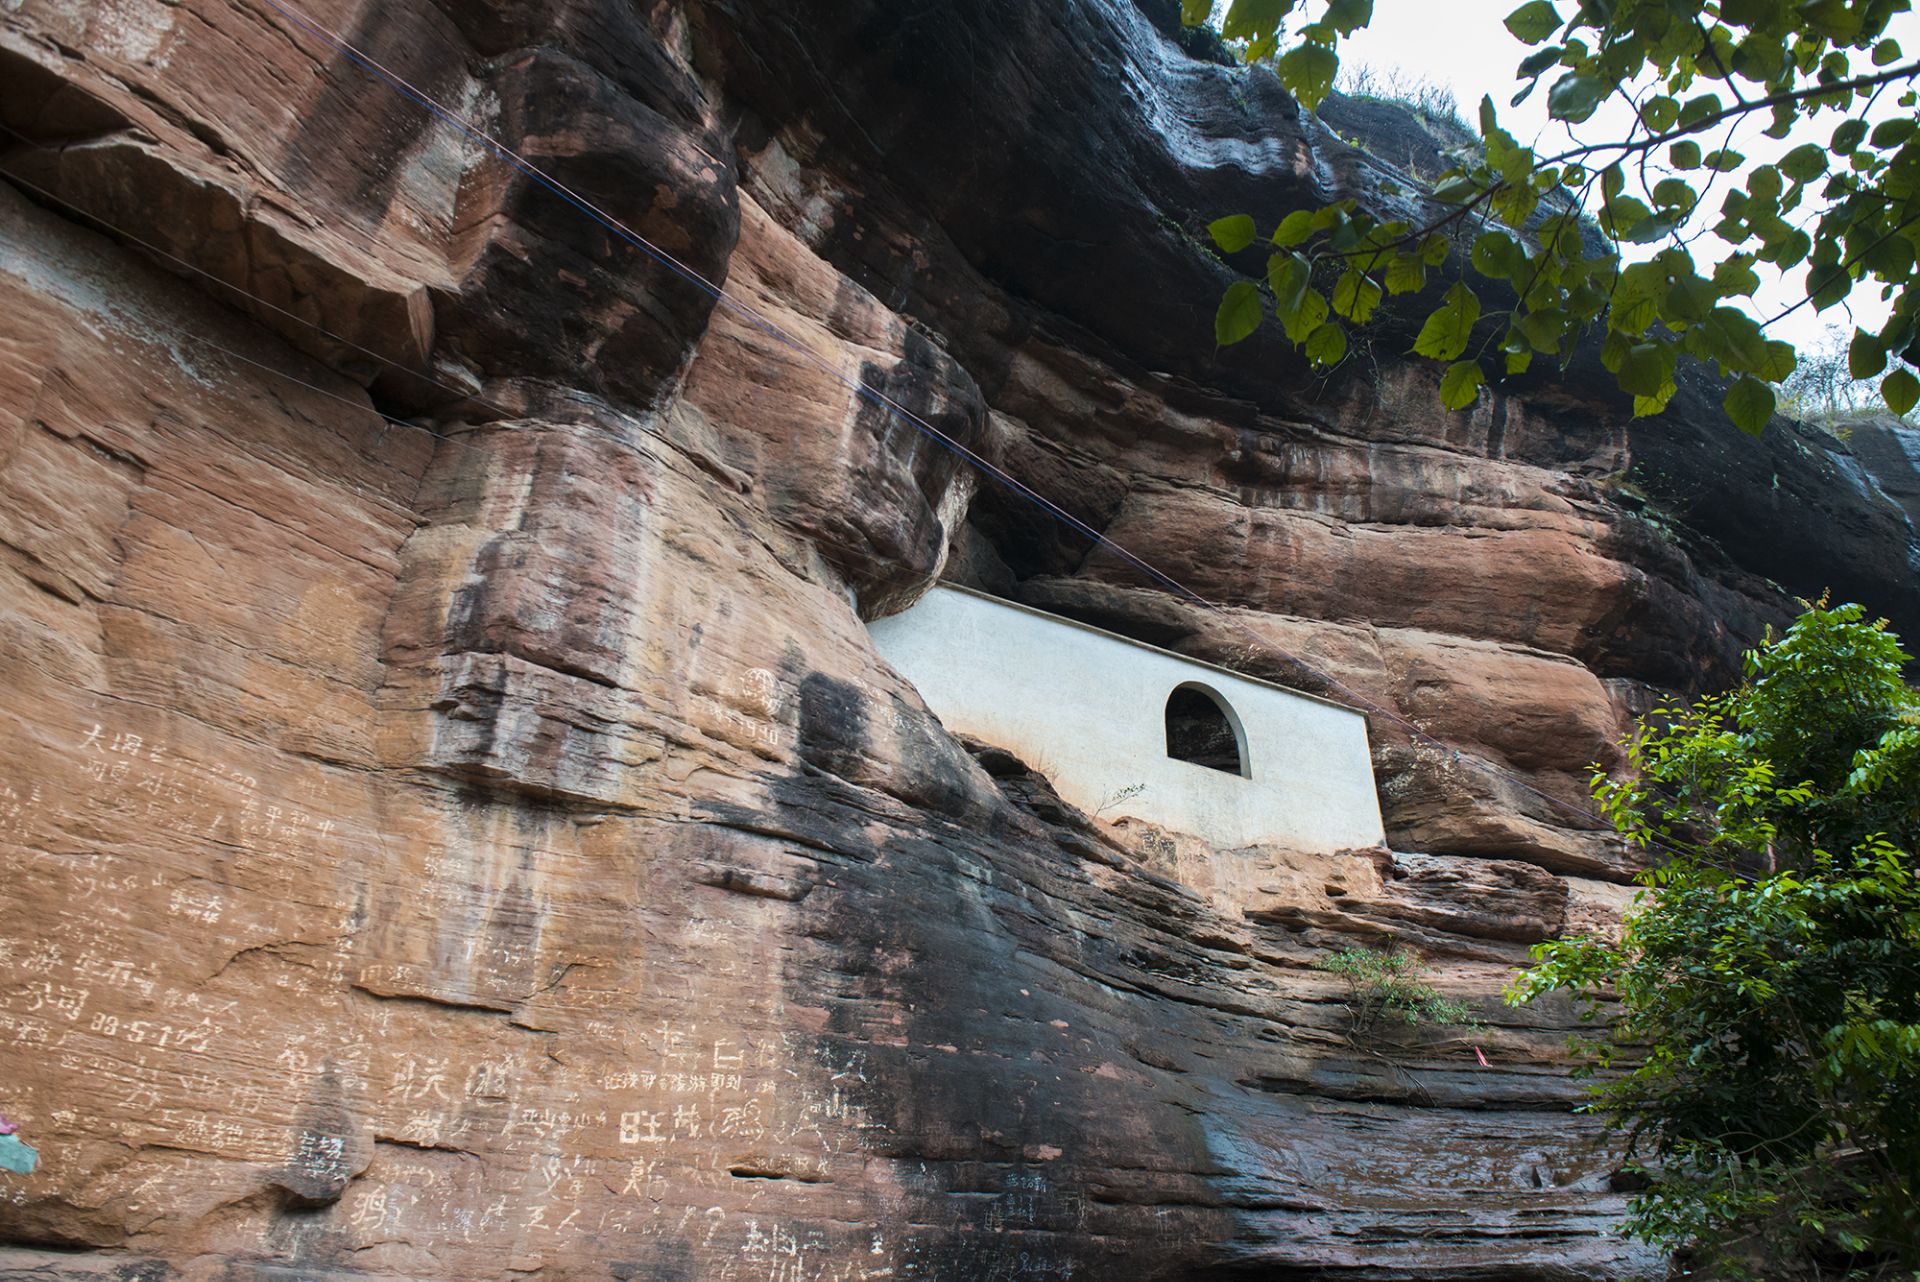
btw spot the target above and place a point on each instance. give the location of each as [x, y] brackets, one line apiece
[455, 823]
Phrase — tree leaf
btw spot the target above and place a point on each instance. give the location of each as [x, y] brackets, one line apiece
[1649, 406]
[1306, 317]
[1294, 228]
[1699, 109]
[1646, 368]
[1760, 57]
[1544, 328]
[1749, 404]
[1865, 355]
[1251, 19]
[1355, 296]
[1239, 313]
[1348, 16]
[1776, 360]
[1307, 70]
[1574, 97]
[1515, 203]
[1674, 193]
[1532, 23]
[1460, 385]
[1830, 284]
[1735, 276]
[1287, 277]
[1446, 332]
[1901, 390]
[1689, 300]
[1232, 233]
[1889, 134]
[1805, 162]
[1327, 344]
[1494, 253]
[1406, 274]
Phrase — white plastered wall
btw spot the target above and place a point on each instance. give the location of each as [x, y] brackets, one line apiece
[1088, 708]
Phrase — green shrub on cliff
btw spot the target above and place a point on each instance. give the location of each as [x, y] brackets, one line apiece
[1390, 985]
[1763, 1001]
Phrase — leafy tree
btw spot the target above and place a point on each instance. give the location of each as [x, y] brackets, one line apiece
[1763, 998]
[1846, 201]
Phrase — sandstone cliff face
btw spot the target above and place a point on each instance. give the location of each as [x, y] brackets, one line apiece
[455, 825]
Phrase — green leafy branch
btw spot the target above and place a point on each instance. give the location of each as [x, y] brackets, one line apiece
[1861, 190]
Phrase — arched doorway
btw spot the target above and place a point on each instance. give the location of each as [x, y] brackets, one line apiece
[1202, 729]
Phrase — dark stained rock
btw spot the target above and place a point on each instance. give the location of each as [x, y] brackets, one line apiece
[993, 85]
[1888, 451]
[545, 289]
[488, 845]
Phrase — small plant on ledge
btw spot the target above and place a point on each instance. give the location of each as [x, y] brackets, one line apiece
[1389, 986]
[1119, 795]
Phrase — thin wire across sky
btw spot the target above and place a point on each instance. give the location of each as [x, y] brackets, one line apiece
[755, 318]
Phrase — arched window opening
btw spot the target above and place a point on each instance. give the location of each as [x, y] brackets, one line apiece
[1201, 728]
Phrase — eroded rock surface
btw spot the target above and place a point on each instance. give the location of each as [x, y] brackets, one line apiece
[455, 825]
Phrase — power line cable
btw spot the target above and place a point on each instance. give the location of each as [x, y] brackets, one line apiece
[457, 393]
[772, 329]
[454, 392]
[401, 85]
[860, 387]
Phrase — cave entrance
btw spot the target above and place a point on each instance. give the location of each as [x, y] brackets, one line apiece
[1202, 729]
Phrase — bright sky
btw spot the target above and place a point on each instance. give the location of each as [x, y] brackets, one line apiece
[1463, 44]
